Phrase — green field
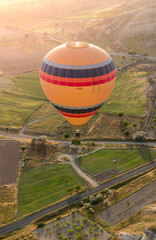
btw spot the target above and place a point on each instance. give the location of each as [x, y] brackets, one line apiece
[128, 95]
[41, 186]
[29, 84]
[126, 159]
[16, 108]
[21, 103]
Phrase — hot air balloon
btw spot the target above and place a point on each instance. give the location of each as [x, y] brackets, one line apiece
[77, 78]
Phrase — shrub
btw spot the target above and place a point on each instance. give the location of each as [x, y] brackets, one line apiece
[73, 211]
[126, 132]
[40, 224]
[91, 210]
[139, 136]
[85, 219]
[79, 236]
[106, 203]
[77, 187]
[99, 197]
[70, 231]
[125, 123]
[92, 199]
[66, 135]
[76, 142]
[23, 147]
[87, 205]
[120, 114]
[134, 124]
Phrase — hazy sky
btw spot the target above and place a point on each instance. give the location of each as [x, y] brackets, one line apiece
[5, 2]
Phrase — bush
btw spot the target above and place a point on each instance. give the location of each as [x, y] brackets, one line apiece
[139, 136]
[87, 205]
[66, 135]
[120, 114]
[40, 224]
[125, 123]
[92, 199]
[70, 231]
[126, 132]
[76, 142]
[91, 210]
[134, 124]
[99, 197]
[85, 219]
[23, 147]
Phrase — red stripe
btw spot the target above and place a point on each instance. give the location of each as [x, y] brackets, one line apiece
[74, 83]
[77, 115]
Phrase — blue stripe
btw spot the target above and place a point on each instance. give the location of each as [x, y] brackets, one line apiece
[77, 73]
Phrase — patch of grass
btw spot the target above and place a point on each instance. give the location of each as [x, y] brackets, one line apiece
[29, 84]
[7, 203]
[127, 96]
[135, 185]
[41, 186]
[45, 110]
[16, 108]
[125, 159]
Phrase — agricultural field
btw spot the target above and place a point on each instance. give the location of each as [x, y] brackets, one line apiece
[29, 84]
[7, 203]
[120, 159]
[9, 161]
[15, 108]
[35, 192]
[129, 99]
[71, 226]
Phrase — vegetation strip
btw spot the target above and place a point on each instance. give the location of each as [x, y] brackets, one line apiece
[28, 219]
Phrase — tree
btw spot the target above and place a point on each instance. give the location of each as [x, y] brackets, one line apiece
[66, 135]
[139, 136]
[79, 236]
[77, 187]
[23, 147]
[76, 142]
[120, 114]
[70, 190]
[99, 197]
[126, 132]
[125, 123]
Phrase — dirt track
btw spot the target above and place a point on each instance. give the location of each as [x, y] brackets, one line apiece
[9, 158]
[130, 205]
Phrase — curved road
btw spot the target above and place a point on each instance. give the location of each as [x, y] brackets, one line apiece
[28, 219]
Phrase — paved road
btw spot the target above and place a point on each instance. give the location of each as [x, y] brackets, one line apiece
[121, 211]
[150, 58]
[28, 219]
[17, 135]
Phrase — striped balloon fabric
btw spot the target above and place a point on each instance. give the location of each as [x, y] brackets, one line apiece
[77, 78]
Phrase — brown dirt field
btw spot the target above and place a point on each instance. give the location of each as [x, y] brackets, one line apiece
[9, 159]
[13, 60]
[106, 174]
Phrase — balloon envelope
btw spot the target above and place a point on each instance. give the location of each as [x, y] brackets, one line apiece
[77, 78]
